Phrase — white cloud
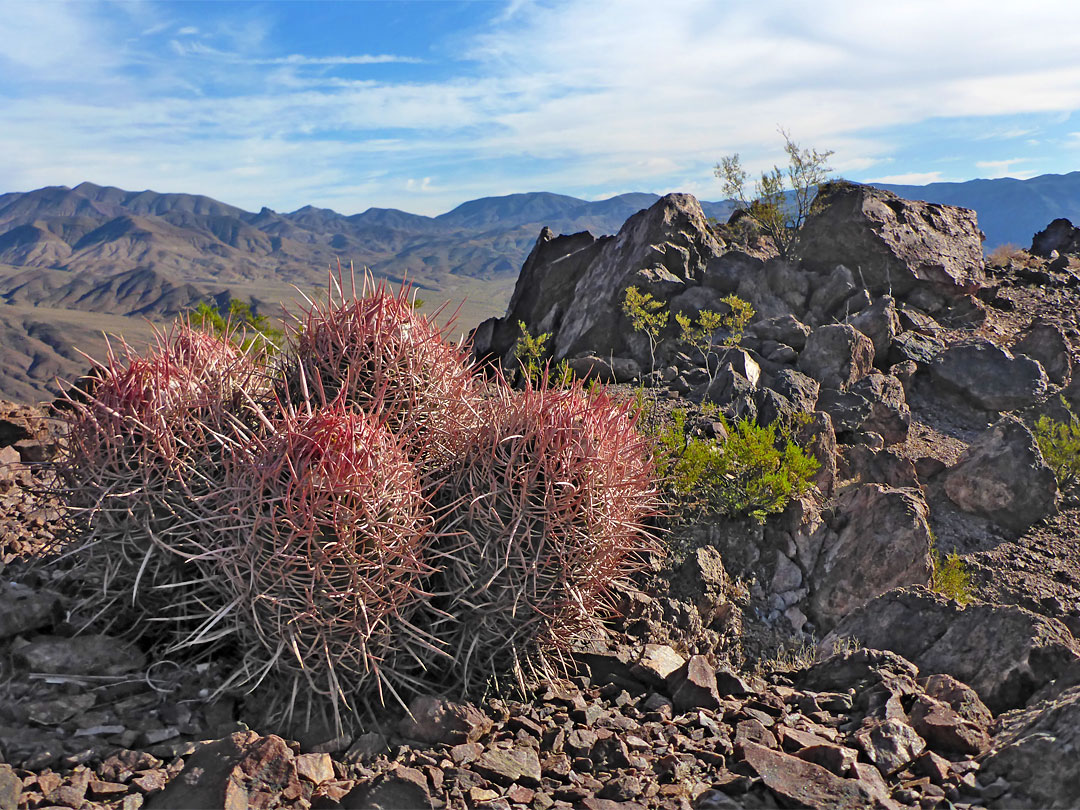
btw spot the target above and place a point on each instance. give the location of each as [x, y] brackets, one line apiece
[910, 179]
[360, 59]
[565, 95]
[1000, 168]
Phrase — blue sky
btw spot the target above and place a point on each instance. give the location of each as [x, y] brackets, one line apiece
[422, 105]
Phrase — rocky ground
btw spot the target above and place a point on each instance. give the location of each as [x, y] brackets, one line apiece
[802, 662]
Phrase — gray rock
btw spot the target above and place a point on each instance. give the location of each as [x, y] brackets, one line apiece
[989, 376]
[944, 730]
[801, 389]
[1003, 652]
[1059, 236]
[693, 686]
[889, 413]
[10, 788]
[1045, 342]
[703, 580]
[804, 784]
[437, 720]
[836, 355]
[877, 466]
[23, 609]
[895, 244]
[1002, 476]
[573, 286]
[818, 438]
[81, 655]
[890, 744]
[914, 347]
[786, 329]
[508, 765]
[847, 409]
[1036, 752]
[724, 273]
[397, 788]
[881, 323]
[875, 538]
[837, 287]
[605, 369]
[656, 663]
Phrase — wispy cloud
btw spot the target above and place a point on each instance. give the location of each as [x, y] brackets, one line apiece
[360, 59]
[910, 179]
[569, 95]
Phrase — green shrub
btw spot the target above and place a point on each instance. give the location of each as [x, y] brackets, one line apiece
[1060, 446]
[530, 352]
[236, 320]
[950, 577]
[744, 474]
[646, 315]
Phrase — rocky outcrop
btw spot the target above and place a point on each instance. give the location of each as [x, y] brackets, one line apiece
[1003, 477]
[893, 245]
[837, 355]
[572, 286]
[874, 539]
[1060, 236]
[1005, 653]
[990, 377]
[1034, 755]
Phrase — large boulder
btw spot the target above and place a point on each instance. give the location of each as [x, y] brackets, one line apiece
[1059, 236]
[1035, 753]
[1005, 653]
[1044, 341]
[1003, 477]
[875, 538]
[892, 244]
[573, 286]
[989, 376]
[836, 355]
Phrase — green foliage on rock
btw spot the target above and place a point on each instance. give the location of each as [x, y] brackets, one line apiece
[749, 472]
[237, 318]
[783, 197]
[646, 315]
[950, 577]
[1059, 443]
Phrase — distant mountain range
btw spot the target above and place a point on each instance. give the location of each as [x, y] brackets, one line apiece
[77, 261]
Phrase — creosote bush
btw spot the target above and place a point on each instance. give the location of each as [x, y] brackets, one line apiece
[746, 472]
[1059, 443]
[355, 520]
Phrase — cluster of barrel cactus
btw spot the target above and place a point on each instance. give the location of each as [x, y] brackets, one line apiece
[359, 517]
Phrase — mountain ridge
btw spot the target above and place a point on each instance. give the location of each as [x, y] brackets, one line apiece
[97, 257]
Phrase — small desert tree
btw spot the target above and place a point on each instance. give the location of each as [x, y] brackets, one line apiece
[779, 216]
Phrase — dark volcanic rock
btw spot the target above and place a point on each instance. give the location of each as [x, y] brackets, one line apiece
[1036, 752]
[1005, 653]
[1045, 342]
[881, 323]
[573, 286]
[81, 655]
[877, 538]
[1002, 476]
[436, 720]
[837, 355]
[804, 784]
[240, 771]
[23, 609]
[896, 244]
[1059, 236]
[989, 376]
